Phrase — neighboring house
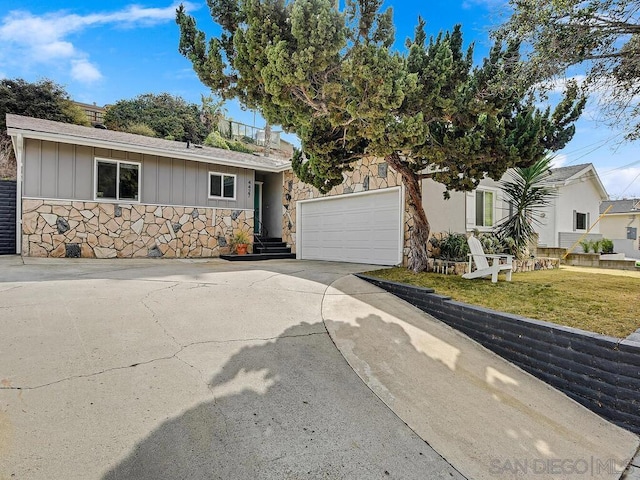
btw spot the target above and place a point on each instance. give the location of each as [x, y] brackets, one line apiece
[95, 114]
[622, 225]
[97, 193]
[575, 206]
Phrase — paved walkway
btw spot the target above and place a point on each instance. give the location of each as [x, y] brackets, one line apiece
[197, 369]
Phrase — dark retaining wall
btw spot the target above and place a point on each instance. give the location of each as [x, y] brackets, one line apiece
[602, 373]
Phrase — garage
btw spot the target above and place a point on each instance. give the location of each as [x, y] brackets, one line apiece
[361, 228]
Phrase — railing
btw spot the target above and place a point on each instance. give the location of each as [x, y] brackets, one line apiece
[246, 133]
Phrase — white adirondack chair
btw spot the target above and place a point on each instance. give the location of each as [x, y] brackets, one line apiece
[481, 259]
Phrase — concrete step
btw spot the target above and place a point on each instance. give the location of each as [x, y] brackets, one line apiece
[251, 257]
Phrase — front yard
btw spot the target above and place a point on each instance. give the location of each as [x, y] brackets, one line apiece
[600, 303]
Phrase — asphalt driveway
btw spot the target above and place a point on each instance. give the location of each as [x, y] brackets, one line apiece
[185, 369]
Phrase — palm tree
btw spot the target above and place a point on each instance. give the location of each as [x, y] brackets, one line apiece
[528, 195]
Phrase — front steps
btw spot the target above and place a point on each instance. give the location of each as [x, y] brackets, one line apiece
[264, 248]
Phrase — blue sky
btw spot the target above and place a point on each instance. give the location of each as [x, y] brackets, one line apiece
[117, 50]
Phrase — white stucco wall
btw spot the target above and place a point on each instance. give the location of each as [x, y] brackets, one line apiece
[458, 213]
[443, 215]
[582, 196]
[614, 227]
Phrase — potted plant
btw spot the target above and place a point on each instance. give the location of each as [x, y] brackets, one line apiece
[240, 242]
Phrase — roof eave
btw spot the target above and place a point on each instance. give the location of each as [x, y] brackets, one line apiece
[90, 142]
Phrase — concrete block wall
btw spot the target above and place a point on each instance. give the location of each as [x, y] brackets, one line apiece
[602, 373]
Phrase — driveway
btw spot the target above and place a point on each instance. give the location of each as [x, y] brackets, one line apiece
[182, 369]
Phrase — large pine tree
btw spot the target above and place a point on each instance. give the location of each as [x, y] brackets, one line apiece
[335, 79]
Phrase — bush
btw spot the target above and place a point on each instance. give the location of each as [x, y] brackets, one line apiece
[214, 139]
[607, 245]
[237, 146]
[586, 246]
[140, 129]
[452, 247]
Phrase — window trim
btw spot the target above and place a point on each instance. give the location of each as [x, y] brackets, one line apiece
[575, 221]
[494, 202]
[222, 175]
[117, 162]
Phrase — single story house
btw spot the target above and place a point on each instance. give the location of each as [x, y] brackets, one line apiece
[89, 192]
[574, 207]
[622, 225]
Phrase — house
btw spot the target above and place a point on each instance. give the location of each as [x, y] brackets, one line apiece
[574, 207]
[97, 193]
[621, 224]
[88, 192]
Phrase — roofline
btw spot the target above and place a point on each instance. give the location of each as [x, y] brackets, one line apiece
[128, 147]
[576, 176]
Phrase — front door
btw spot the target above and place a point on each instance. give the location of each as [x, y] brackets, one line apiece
[257, 209]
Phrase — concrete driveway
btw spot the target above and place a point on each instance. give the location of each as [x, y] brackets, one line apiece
[162, 369]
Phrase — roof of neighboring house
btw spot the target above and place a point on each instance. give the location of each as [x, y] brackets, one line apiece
[565, 175]
[75, 134]
[630, 205]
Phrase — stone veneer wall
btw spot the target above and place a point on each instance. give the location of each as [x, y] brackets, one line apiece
[53, 228]
[370, 173]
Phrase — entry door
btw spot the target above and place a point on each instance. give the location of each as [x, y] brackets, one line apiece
[257, 208]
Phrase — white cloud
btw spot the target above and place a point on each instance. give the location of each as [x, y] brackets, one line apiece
[84, 71]
[45, 38]
[622, 183]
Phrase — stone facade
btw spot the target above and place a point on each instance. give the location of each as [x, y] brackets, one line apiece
[52, 228]
[370, 173]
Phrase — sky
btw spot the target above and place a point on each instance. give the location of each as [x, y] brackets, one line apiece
[109, 51]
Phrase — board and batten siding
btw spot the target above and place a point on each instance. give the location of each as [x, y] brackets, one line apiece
[62, 171]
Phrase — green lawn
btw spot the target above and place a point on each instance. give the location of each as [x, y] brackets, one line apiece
[600, 303]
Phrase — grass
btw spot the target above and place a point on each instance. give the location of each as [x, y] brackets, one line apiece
[605, 304]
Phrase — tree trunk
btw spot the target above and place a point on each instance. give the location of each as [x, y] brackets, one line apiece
[419, 231]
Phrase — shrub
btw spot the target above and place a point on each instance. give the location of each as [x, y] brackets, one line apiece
[140, 129]
[586, 245]
[452, 246]
[238, 146]
[607, 245]
[214, 139]
[596, 246]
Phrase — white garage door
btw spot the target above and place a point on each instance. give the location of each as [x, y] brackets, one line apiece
[361, 228]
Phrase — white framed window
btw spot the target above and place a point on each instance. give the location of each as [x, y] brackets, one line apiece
[580, 220]
[485, 205]
[117, 180]
[222, 186]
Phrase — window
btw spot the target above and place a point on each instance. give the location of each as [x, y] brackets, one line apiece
[222, 185]
[484, 208]
[117, 180]
[580, 220]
